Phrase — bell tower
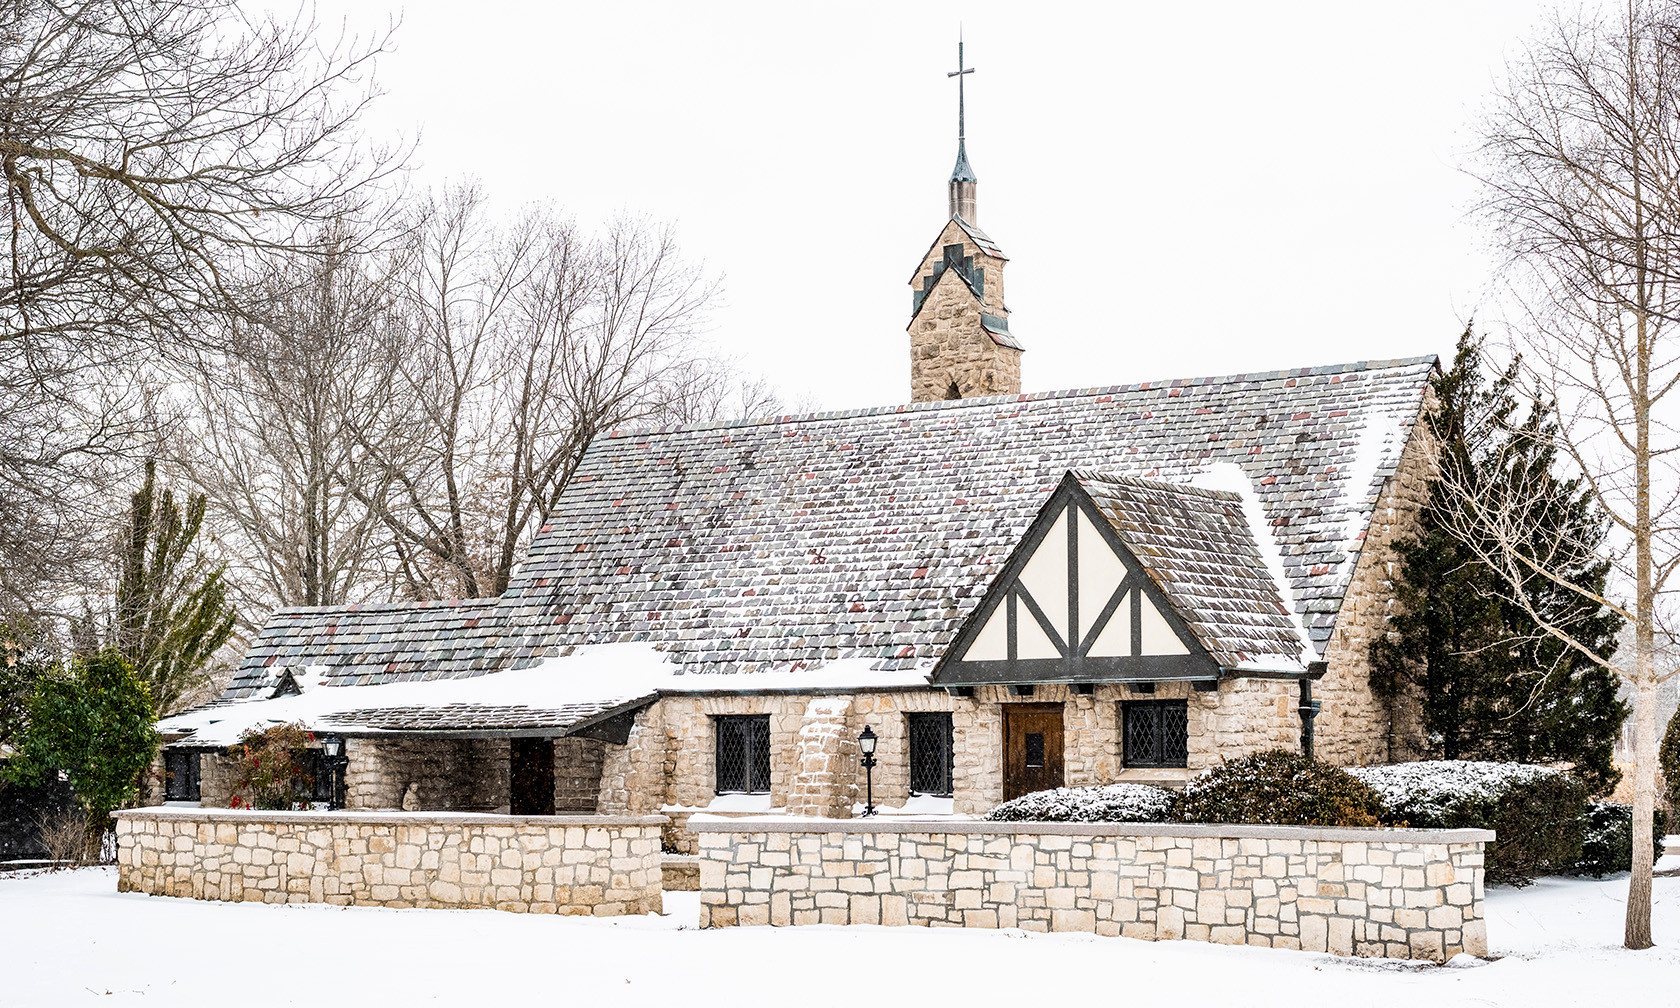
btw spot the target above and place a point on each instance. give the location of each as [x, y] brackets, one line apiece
[960, 344]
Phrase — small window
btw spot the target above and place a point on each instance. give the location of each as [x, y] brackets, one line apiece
[743, 754]
[180, 771]
[1155, 733]
[930, 754]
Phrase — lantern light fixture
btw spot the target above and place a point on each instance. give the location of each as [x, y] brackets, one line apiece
[867, 741]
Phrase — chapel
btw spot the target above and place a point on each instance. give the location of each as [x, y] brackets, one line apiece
[1010, 591]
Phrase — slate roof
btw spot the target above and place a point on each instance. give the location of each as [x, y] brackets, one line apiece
[981, 239]
[794, 541]
[998, 330]
[1196, 546]
[475, 717]
[368, 644]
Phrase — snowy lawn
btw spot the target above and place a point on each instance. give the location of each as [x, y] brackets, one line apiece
[69, 938]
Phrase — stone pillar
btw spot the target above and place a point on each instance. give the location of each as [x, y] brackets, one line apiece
[826, 782]
[215, 779]
[633, 774]
[577, 774]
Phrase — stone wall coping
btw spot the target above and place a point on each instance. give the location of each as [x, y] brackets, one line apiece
[1345, 834]
[159, 813]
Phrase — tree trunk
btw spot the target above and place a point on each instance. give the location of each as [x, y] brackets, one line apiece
[1638, 934]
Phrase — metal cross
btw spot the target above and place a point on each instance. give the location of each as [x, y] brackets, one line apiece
[958, 74]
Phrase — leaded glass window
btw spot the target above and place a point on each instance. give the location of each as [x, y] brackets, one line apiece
[1155, 733]
[743, 754]
[930, 754]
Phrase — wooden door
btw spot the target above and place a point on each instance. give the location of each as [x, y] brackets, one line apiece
[531, 777]
[1032, 748]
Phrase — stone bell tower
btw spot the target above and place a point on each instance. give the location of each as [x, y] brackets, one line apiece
[960, 345]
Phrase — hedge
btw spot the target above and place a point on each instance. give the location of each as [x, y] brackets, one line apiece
[1278, 787]
[1537, 812]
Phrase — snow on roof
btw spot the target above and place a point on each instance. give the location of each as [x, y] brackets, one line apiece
[556, 693]
[787, 544]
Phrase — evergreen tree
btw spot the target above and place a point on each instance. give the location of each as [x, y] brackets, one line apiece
[171, 615]
[21, 667]
[1491, 683]
[93, 720]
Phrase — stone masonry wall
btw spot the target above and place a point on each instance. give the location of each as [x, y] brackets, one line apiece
[600, 865]
[948, 345]
[577, 774]
[668, 764]
[1356, 727]
[1410, 894]
[215, 779]
[446, 774]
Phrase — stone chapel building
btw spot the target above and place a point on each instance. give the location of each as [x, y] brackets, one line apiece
[1014, 591]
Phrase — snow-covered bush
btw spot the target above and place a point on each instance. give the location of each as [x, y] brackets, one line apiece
[1103, 803]
[1536, 811]
[1278, 787]
[1607, 840]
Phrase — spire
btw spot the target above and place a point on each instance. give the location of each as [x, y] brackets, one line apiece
[963, 184]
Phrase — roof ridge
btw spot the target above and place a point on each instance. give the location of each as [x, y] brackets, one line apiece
[1160, 483]
[996, 400]
[355, 607]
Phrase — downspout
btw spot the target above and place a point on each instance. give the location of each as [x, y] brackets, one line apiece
[1309, 708]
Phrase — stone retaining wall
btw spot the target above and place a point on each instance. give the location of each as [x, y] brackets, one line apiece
[600, 865]
[1409, 894]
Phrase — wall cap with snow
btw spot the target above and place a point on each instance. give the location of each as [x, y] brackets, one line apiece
[363, 817]
[706, 823]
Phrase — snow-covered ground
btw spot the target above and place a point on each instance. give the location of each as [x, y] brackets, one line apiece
[69, 939]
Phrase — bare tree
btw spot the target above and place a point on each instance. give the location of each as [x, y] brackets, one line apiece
[1581, 156]
[303, 403]
[147, 151]
[529, 341]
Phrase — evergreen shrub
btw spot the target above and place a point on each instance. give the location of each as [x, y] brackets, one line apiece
[1607, 839]
[1278, 787]
[1102, 803]
[92, 719]
[1537, 812]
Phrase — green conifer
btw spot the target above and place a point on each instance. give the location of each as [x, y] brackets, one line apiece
[171, 609]
[1491, 683]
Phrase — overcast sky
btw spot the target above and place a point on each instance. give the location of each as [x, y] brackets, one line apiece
[1182, 189]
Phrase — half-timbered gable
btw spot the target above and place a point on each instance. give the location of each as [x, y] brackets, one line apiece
[1121, 579]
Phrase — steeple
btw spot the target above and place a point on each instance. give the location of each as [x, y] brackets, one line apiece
[963, 184]
[960, 344]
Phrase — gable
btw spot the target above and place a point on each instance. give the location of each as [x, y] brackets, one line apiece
[958, 232]
[1073, 604]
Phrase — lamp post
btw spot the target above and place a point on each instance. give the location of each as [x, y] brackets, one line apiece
[867, 740]
[332, 747]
